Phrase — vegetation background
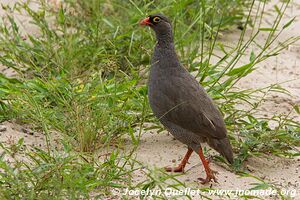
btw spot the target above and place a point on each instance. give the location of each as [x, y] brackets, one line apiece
[78, 93]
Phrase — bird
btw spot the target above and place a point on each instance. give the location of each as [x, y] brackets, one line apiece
[181, 104]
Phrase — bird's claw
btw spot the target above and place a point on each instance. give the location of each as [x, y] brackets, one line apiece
[209, 177]
[174, 169]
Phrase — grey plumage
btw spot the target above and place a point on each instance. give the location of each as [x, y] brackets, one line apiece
[179, 101]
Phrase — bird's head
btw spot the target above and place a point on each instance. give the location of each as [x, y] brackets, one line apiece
[159, 23]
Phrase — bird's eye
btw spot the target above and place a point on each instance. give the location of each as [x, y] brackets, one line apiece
[156, 19]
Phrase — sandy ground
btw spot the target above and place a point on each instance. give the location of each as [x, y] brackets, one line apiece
[159, 150]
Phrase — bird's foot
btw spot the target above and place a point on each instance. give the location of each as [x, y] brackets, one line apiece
[210, 176]
[179, 168]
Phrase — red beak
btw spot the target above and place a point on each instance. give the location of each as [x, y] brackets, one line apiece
[145, 22]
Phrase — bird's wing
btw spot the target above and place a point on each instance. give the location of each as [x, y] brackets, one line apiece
[193, 109]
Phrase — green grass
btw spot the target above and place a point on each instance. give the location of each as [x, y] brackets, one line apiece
[83, 76]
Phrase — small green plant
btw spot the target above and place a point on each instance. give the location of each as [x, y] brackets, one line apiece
[83, 76]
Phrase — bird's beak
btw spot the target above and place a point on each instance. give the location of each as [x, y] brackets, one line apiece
[145, 22]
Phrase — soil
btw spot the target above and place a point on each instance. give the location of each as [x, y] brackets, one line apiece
[157, 150]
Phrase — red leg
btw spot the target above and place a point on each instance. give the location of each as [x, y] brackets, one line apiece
[209, 173]
[180, 167]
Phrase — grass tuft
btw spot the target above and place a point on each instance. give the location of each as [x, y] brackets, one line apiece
[82, 75]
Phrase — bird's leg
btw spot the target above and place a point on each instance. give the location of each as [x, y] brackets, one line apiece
[180, 167]
[210, 174]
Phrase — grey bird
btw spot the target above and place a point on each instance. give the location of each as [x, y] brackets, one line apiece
[181, 103]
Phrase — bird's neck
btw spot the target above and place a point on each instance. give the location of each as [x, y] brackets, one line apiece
[165, 55]
[165, 40]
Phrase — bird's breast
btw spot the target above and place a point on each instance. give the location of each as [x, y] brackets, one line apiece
[162, 96]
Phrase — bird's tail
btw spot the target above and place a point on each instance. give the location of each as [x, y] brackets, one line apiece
[222, 146]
